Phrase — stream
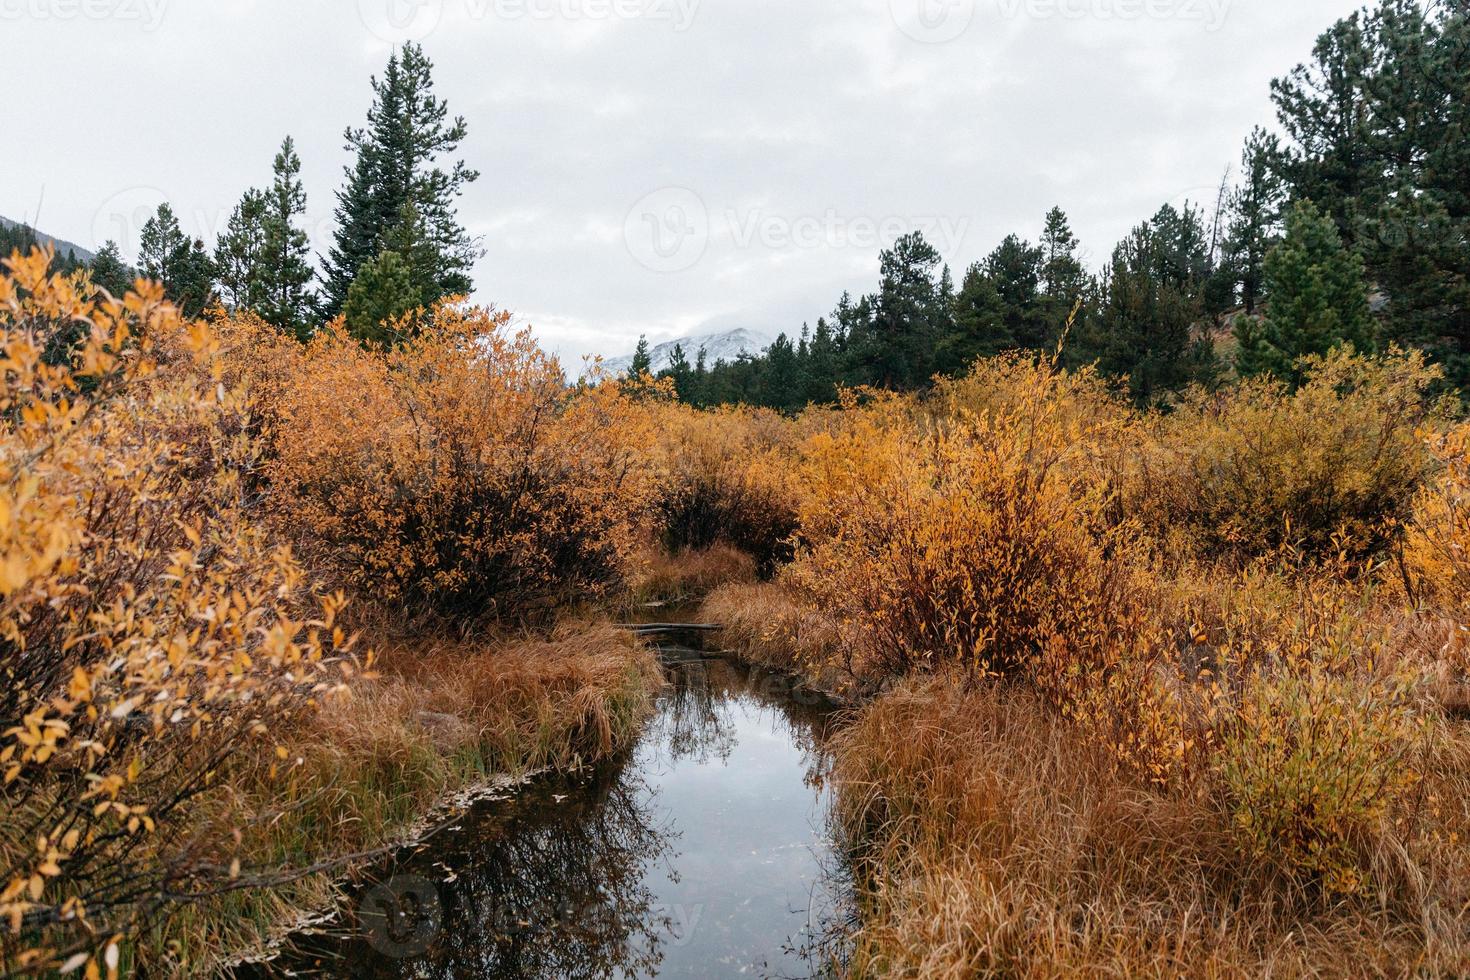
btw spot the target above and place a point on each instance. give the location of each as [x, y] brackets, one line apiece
[705, 851]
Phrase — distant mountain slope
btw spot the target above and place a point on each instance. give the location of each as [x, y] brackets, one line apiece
[725, 346]
[61, 245]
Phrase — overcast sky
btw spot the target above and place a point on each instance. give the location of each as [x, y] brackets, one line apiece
[659, 167]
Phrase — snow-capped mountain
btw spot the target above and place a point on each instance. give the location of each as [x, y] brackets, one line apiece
[725, 346]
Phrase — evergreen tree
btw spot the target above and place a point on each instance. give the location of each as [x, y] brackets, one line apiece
[1180, 249]
[180, 264]
[642, 361]
[1015, 269]
[239, 253]
[1316, 300]
[823, 365]
[680, 372]
[285, 295]
[382, 293]
[699, 382]
[1145, 324]
[160, 243]
[396, 168]
[1064, 280]
[109, 271]
[980, 330]
[1323, 107]
[779, 380]
[194, 280]
[18, 237]
[909, 315]
[1254, 216]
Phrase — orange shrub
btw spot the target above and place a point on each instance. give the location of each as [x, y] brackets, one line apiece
[458, 474]
[725, 481]
[967, 542]
[148, 627]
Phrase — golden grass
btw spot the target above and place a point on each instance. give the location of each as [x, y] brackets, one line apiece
[998, 844]
[444, 717]
[767, 624]
[689, 576]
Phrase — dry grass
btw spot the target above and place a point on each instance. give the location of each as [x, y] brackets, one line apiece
[767, 624]
[689, 576]
[443, 718]
[999, 845]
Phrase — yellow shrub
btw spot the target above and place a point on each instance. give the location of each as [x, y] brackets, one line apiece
[1437, 545]
[1312, 763]
[1330, 467]
[966, 544]
[148, 627]
[457, 473]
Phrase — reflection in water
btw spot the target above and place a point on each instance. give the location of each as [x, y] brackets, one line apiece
[703, 854]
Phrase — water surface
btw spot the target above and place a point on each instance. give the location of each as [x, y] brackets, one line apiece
[704, 852]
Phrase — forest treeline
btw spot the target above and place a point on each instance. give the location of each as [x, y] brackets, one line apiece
[1349, 223]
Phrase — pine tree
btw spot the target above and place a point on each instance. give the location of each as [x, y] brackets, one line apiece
[980, 328]
[1316, 298]
[397, 166]
[1180, 249]
[1015, 269]
[194, 280]
[239, 253]
[1254, 217]
[160, 243]
[1323, 107]
[183, 266]
[1063, 278]
[823, 365]
[108, 271]
[1146, 319]
[782, 384]
[382, 293]
[679, 372]
[699, 382]
[910, 313]
[642, 361]
[286, 298]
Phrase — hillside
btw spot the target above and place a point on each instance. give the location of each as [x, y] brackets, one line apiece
[724, 346]
[61, 245]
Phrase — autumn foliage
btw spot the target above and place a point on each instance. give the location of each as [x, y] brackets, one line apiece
[1117, 674]
[150, 628]
[455, 474]
[725, 480]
